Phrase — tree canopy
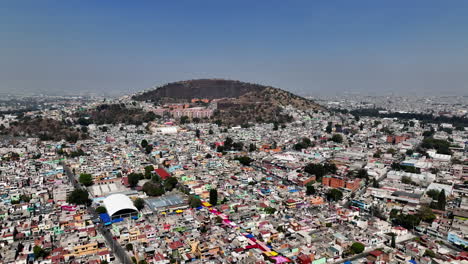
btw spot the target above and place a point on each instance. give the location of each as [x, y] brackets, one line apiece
[153, 188]
[170, 183]
[39, 252]
[320, 170]
[139, 203]
[144, 143]
[440, 145]
[134, 178]
[334, 195]
[79, 196]
[213, 196]
[244, 160]
[310, 190]
[86, 179]
[101, 210]
[149, 171]
[441, 200]
[357, 247]
[337, 138]
[194, 201]
[303, 144]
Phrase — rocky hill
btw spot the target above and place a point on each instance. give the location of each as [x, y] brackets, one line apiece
[202, 88]
[44, 129]
[239, 102]
[113, 114]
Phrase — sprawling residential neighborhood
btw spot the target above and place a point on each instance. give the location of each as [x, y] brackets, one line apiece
[329, 187]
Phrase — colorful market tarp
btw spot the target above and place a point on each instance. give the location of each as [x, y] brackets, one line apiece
[251, 239]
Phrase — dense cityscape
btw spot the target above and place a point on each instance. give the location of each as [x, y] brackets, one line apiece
[327, 187]
[234, 132]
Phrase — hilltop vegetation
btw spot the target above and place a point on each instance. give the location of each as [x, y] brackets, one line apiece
[203, 88]
[114, 114]
[237, 102]
[45, 129]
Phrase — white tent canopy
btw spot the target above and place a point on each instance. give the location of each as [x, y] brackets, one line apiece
[117, 204]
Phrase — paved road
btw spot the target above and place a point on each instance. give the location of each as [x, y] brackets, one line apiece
[115, 246]
[256, 243]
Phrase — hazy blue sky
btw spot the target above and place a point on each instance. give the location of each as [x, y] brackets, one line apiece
[311, 46]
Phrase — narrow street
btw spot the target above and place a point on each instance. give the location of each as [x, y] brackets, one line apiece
[115, 247]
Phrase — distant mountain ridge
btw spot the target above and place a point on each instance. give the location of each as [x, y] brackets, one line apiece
[240, 101]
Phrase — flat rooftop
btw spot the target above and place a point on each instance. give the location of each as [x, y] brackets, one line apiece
[164, 201]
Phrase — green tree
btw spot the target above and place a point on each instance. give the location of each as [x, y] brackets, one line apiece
[170, 183]
[252, 147]
[429, 253]
[79, 196]
[426, 214]
[303, 144]
[270, 210]
[153, 189]
[357, 247]
[394, 213]
[139, 203]
[144, 143]
[434, 194]
[148, 149]
[39, 252]
[406, 180]
[315, 169]
[329, 128]
[184, 120]
[299, 146]
[320, 170]
[440, 145]
[334, 195]
[337, 138]
[393, 243]
[220, 149]
[408, 221]
[210, 132]
[25, 198]
[310, 190]
[101, 210]
[237, 146]
[129, 247]
[104, 262]
[307, 141]
[275, 126]
[134, 178]
[330, 167]
[86, 179]
[228, 143]
[441, 200]
[362, 174]
[149, 171]
[194, 201]
[244, 160]
[142, 262]
[197, 133]
[213, 196]
[375, 183]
